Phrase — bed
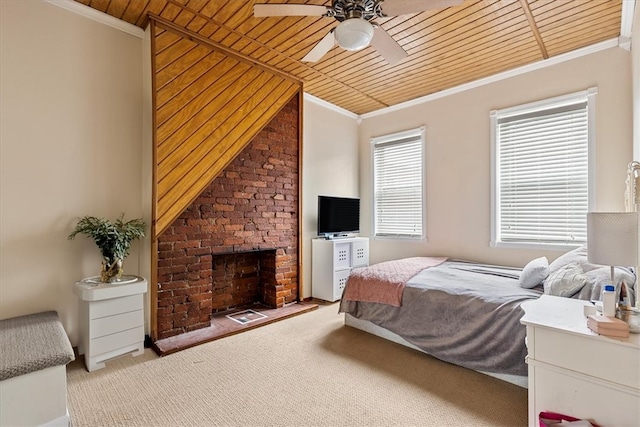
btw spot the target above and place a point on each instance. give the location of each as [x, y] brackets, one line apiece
[460, 312]
[468, 313]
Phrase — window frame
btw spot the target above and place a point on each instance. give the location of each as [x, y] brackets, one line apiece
[421, 132]
[588, 95]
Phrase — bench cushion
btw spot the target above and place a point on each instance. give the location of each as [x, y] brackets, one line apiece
[31, 343]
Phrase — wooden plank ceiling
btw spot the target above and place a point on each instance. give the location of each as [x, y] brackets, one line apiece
[446, 47]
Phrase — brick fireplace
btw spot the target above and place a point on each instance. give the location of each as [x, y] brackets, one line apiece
[237, 243]
[240, 279]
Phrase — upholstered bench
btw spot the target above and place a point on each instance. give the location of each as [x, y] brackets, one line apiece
[34, 351]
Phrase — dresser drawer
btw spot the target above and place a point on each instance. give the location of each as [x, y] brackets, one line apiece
[584, 397]
[118, 340]
[113, 306]
[599, 357]
[112, 324]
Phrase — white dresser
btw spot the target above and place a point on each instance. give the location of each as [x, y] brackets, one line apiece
[577, 372]
[111, 319]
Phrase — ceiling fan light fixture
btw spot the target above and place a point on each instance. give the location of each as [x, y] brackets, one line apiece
[354, 34]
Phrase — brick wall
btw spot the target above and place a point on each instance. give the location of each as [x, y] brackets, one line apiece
[251, 206]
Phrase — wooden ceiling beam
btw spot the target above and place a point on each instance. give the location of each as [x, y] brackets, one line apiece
[534, 28]
[216, 46]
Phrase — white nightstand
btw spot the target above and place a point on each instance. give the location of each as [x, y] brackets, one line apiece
[577, 372]
[111, 319]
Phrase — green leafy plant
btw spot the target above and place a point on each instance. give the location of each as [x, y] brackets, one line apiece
[112, 238]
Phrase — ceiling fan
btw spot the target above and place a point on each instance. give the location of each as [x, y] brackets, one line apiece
[357, 28]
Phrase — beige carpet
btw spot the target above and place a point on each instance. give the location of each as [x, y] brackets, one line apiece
[308, 370]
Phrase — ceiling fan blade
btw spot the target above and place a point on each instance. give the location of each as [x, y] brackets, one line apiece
[405, 7]
[386, 46]
[263, 10]
[321, 48]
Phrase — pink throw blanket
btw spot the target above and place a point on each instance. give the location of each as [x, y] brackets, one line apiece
[384, 282]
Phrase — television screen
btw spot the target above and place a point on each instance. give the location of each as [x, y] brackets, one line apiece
[338, 215]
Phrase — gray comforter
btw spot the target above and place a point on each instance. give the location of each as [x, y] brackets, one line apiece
[463, 313]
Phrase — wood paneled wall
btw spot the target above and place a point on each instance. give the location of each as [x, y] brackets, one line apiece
[209, 104]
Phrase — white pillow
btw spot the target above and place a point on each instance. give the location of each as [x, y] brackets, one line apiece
[577, 255]
[566, 281]
[534, 273]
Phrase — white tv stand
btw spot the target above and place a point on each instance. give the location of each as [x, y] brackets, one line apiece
[332, 261]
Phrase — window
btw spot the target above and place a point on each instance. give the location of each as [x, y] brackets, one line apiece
[540, 175]
[397, 174]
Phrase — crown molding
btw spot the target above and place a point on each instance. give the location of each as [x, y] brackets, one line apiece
[607, 44]
[330, 106]
[98, 16]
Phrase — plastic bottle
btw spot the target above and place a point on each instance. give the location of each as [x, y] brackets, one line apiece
[609, 301]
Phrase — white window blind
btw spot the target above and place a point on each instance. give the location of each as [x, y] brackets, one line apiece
[542, 184]
[397, 166]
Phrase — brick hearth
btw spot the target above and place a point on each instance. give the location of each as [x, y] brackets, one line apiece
[251, 206]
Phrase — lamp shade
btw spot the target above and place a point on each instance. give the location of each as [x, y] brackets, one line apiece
[354, 34]
[612, 238]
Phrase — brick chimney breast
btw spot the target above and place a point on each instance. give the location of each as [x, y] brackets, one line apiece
[237, 243]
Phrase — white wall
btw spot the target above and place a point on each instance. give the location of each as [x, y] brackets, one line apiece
[70, 135]
[458, 176]
[330, 167]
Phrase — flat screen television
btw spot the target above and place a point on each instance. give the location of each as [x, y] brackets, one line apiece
[338, 216]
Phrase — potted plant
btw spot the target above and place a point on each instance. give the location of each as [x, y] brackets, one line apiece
[113, 240]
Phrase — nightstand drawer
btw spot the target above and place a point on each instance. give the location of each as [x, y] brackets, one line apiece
[112, 324]
[558, 390]
[599, 357]
[117, 340]
[113, 306]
